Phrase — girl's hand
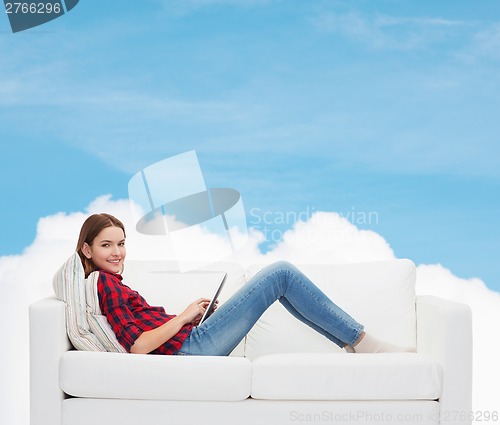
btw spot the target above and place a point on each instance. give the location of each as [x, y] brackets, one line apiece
[194, 311]
[196, 320]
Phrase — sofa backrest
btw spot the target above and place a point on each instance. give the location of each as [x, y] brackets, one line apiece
[380, 295]
[161, 283]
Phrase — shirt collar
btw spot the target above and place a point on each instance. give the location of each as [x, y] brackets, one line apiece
[117, 275]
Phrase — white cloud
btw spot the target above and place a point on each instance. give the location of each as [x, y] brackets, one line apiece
[484, 45]
[387, 32]
[328, 237]
[489, 40]
[384, 20]
[185, 7]
[324, 237]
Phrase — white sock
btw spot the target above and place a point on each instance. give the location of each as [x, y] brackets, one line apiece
[349, 349]
[369, 344]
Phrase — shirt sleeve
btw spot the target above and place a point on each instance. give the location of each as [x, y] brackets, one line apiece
[113, 299]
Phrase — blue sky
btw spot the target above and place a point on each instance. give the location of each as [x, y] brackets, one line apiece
[348, 106]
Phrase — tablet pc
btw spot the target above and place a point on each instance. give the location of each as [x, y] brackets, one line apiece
[210, 308]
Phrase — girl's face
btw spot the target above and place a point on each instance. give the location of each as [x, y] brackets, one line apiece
[107, 250]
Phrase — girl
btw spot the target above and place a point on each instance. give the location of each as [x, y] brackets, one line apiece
[142, 328]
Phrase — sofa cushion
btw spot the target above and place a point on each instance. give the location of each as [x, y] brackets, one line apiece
[151, 377]
[69, 287]
[161, 283]
[98, 323]
[321, 376]
[380, 295]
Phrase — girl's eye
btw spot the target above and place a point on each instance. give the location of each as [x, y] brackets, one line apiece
[121, 244]
[105, 245]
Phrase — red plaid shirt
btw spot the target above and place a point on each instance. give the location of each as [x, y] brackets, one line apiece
[130, 315]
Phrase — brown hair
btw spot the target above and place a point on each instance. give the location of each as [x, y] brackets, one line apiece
[90, 229]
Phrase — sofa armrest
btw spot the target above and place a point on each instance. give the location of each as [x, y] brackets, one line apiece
[444, 331]
[48, 340]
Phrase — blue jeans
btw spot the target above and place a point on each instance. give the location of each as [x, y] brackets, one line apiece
[225, 328]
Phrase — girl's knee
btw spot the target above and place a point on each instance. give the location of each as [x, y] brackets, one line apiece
[283, 265]
[281, 270]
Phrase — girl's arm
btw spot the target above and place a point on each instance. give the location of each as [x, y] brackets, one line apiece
[151, 340]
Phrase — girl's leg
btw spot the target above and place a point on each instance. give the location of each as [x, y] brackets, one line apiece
[284, 302]
[222, 331]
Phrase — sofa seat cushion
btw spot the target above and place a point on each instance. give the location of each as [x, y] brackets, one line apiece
[324, 376]
[154, 377]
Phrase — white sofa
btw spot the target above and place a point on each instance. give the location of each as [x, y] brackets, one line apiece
[281, 373]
